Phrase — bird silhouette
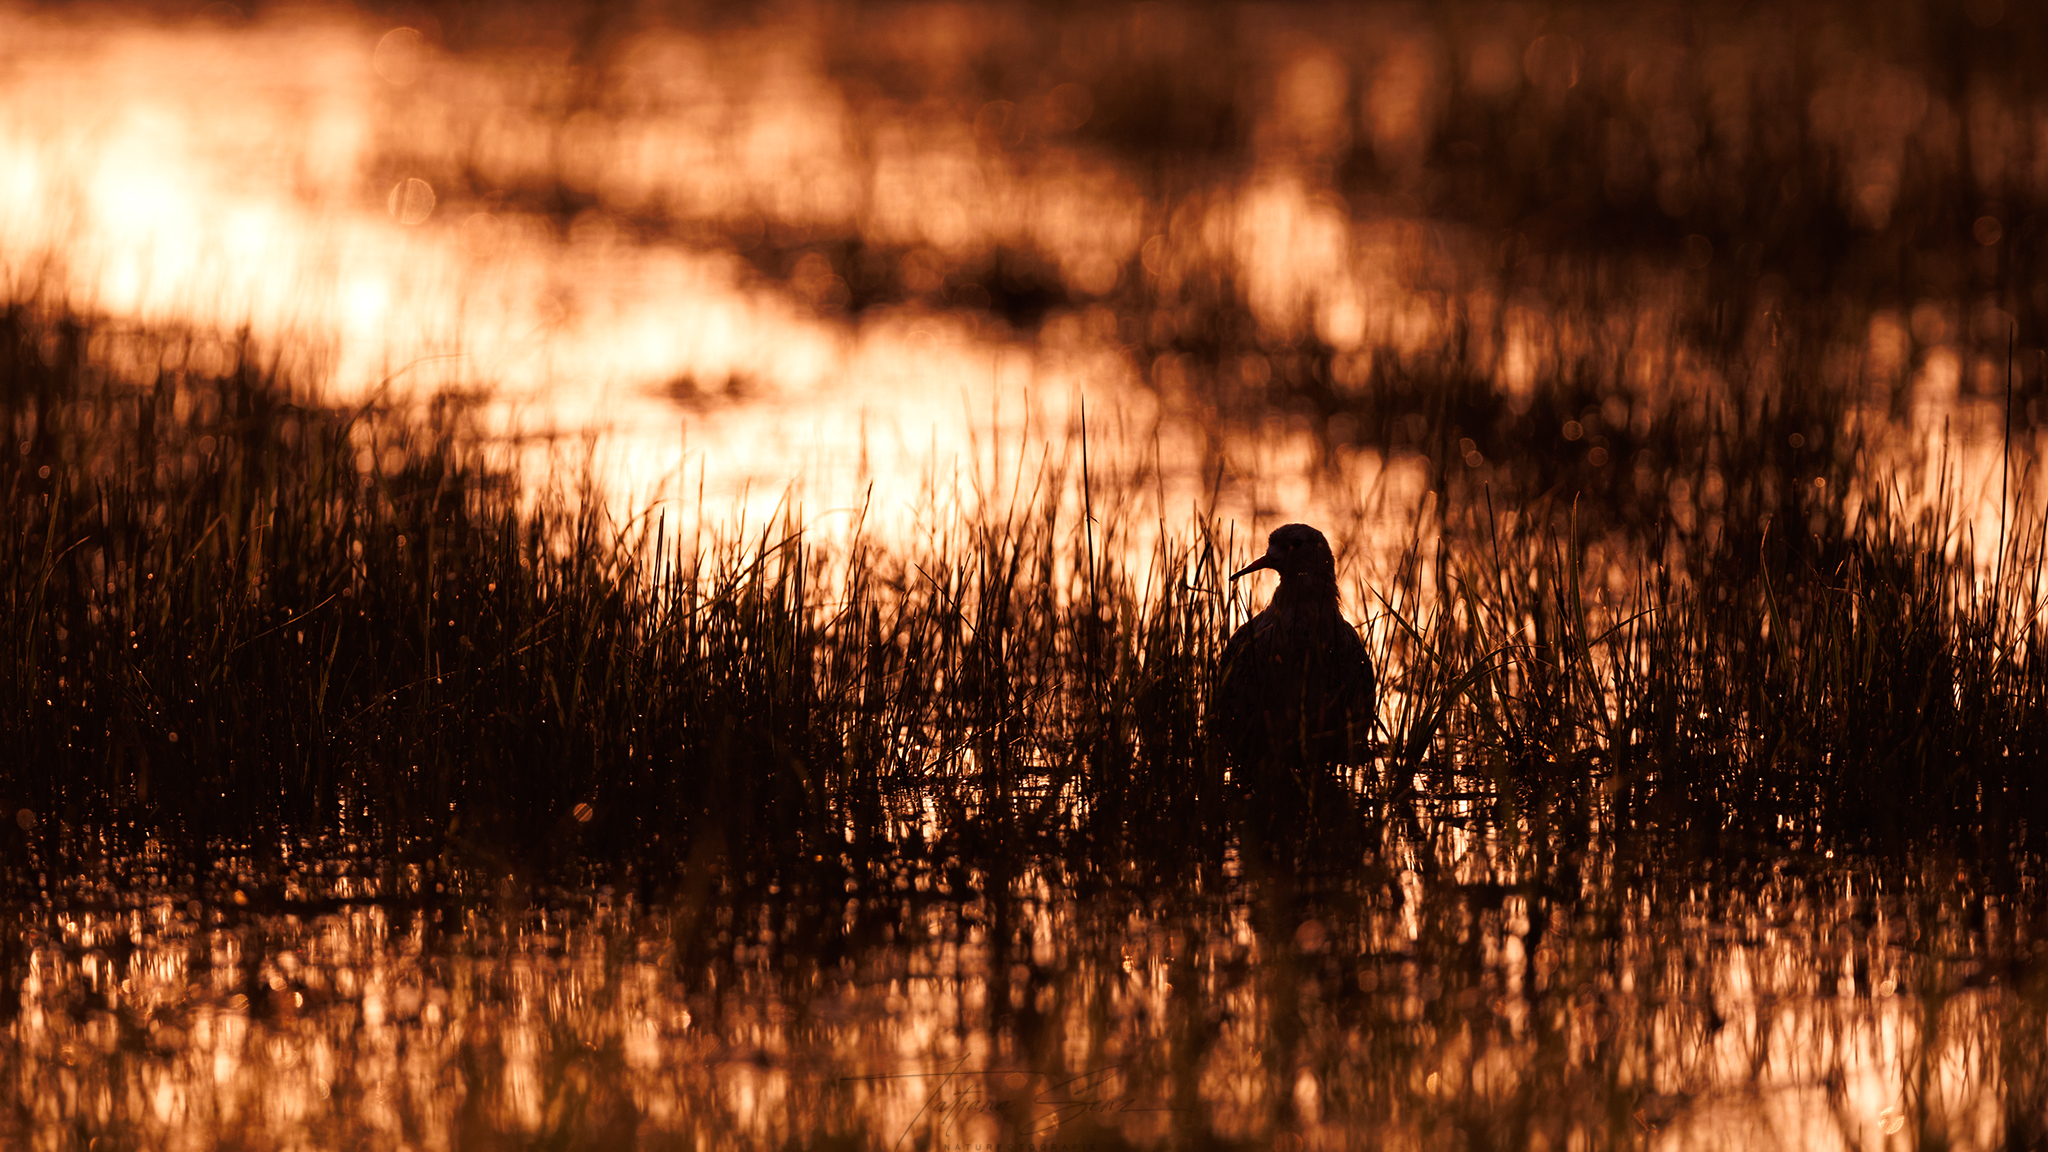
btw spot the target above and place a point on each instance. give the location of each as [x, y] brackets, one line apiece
[1294, 690]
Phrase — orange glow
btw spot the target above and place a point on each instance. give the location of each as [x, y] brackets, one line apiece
[346, 189]
[730, 263]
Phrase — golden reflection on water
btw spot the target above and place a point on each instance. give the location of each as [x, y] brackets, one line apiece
[283, 176]
[1448, 986]
[656, 252]
[354, 194]
[673, 254]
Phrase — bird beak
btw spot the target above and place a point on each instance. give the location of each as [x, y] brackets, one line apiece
[1265, 561]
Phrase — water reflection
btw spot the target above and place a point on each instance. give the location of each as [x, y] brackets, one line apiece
[1459, 983]
[818, 224]
[1343, 267]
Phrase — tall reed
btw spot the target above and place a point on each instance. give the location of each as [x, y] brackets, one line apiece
[236, 616]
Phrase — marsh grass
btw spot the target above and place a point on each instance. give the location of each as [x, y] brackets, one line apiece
[236, 616]
[1653, 723]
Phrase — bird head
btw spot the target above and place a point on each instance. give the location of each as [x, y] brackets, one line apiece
[1295, 550]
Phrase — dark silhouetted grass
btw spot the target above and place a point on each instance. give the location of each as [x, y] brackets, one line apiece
[235, 616]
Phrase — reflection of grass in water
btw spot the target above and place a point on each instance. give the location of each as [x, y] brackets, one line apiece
[1588, 753]
[355, 631]
[383, 646]
[237, 616]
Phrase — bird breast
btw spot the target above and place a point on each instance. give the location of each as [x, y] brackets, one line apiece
[1295, 673]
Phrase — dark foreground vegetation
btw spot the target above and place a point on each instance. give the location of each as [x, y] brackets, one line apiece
[354, 794]
[236, 617]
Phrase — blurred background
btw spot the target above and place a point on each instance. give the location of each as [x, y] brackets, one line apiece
[1294, 260]
[1542, 310]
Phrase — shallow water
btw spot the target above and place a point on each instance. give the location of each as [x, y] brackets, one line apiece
[837, 251]
[888, 263]
[1451, 986]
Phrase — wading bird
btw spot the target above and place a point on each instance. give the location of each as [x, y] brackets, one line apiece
[1294, 690]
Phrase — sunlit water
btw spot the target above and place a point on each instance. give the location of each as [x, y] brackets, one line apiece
[764, 255]
[741, 266]
[1445, 989]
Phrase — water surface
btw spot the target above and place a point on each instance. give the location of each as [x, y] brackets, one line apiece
[1373, 268]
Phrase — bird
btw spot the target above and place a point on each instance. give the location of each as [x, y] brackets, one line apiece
[1294, 691]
